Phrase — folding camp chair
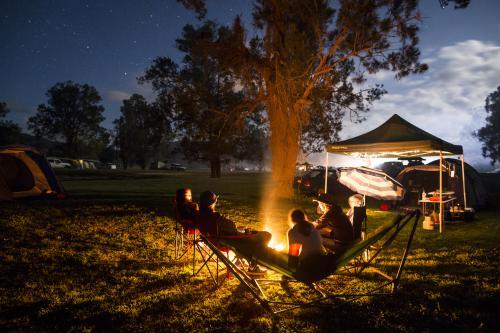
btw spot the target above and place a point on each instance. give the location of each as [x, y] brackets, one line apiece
[315, 270]
[208, 257]
[359, 222]
[186, 236]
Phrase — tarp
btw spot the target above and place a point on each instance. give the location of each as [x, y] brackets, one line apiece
[395, 138]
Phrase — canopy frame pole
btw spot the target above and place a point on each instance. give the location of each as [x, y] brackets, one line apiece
[441, 206]
[326, 172]
[463, 181]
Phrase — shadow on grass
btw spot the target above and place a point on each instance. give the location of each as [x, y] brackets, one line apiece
[90, 315]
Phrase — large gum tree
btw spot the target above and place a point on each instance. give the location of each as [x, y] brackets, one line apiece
[308, 63]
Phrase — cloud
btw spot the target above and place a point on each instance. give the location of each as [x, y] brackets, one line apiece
[448, 100]
[117, 95]
[145, 90]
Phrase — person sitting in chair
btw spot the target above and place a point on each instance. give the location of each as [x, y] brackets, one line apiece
[355, 200]
[333, 224]
[213, 224]
[304, 233]
[186, 208]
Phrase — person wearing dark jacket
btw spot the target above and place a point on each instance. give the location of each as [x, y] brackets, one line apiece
[334, 226]
[213, 224]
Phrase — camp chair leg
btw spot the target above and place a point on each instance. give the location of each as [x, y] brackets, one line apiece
[194, 257]
[353, 297]
[239, 274]
[217, 269]
[318, 289]
[176, 248]
[405, 254]
[291, 305]
[196, 245]
[262, 282]
[394, 281]
[228, 272]
[207, 258]
[416, 215]
[179, 244]
[206, 264]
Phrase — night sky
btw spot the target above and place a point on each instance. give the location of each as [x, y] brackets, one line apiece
[109, 43]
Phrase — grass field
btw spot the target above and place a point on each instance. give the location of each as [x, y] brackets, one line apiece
[101, 260]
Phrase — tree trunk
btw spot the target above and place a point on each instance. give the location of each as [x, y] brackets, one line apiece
[144, 162]
[285, 134]
[215, 167]
[218, 170]
[70, 147]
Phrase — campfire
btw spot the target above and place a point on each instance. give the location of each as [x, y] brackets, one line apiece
[277, 241]
[276, 245]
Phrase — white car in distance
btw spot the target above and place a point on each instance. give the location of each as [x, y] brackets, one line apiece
[57, 163]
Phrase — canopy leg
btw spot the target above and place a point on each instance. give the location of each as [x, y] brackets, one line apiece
[441, 206]
[463, 181]
[326, 172]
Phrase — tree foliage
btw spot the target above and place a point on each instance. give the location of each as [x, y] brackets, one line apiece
[208, 104]
[9, 131]
[489, 135]
[73, 114]
[308, 65]
[459, 4]
[140, 130]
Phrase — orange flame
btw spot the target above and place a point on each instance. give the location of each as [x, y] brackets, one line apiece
[277, 246]
[276, 242]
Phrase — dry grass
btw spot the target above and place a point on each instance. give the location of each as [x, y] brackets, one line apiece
[101, 261]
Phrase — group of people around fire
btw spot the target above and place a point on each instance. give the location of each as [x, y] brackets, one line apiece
[332, 232]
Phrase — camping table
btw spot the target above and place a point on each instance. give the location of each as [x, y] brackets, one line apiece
[424, 203]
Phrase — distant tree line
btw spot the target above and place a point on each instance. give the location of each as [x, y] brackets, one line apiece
[140, 130]
[73, 116]
[204, 102]
[197, 105]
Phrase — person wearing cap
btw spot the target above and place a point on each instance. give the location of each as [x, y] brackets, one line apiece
[213, 224]
[210, 222]
[334, 226]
